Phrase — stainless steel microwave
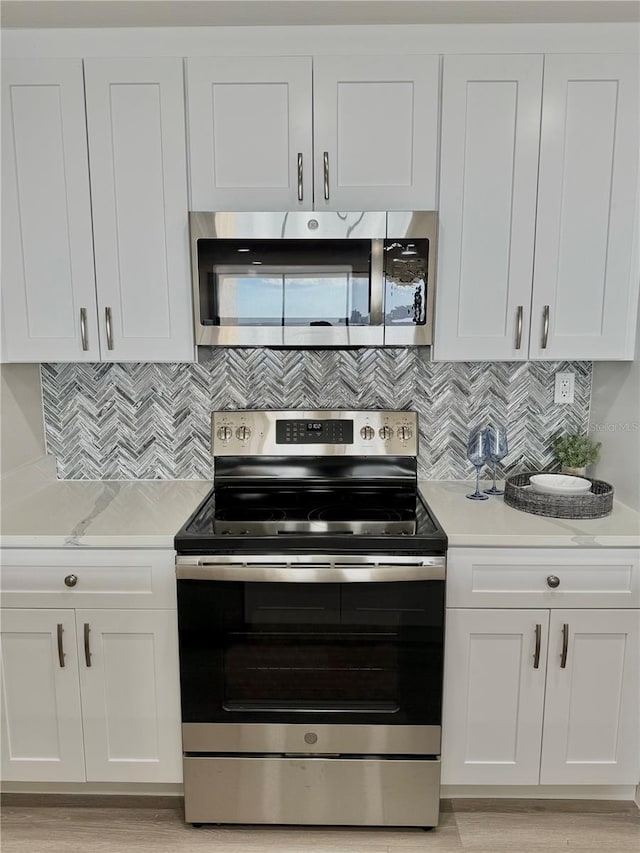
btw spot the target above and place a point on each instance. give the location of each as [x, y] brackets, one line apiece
[317, 279]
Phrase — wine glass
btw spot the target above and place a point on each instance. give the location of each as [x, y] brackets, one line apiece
[477, 455]
[497, 449]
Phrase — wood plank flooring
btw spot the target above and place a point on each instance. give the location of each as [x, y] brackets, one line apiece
[79, 824]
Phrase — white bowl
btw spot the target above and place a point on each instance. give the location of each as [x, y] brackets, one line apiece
[559, 484]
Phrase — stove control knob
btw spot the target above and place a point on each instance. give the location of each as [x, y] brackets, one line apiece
[243, 433]
[385, 433]
[405, 433]
[367, 432]
[224, 433]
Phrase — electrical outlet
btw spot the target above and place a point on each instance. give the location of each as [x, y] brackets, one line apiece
[564, 388]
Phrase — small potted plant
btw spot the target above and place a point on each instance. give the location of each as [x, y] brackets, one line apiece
[574, 452]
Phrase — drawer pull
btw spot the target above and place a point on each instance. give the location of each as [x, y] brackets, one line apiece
[553, 581]
[71, 580]
[565, 646]
[60, 646]
[87, 650]
[536, 654]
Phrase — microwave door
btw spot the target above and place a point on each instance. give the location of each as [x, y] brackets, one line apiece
[335, 305]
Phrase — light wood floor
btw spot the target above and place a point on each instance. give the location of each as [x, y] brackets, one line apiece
[155, 825]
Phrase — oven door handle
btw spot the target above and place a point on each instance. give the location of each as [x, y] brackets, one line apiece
[203, 568]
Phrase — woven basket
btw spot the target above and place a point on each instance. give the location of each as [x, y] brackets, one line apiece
[594, 504]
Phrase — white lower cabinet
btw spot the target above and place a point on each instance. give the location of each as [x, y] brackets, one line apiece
[541, 696]
[591, 721]
[41, 724]
[130, 701]
[89, 694]
[494, 697]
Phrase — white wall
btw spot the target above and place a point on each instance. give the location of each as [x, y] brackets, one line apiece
[615, 421]
[22, 430]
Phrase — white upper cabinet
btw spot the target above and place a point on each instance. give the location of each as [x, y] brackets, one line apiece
[574, 294]
[489, 169]
[375, 132]
[250, 137]
[137, 152]
[131, 185]
[585, 289]
[341, 133]
[48, 284]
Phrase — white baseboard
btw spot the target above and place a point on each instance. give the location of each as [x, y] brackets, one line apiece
[541, 792]
[133, 788]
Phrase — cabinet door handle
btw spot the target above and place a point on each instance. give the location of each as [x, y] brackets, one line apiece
[565, 646]
[519, 318]
[326, 175]
[536, 654]
[83, 329]
[60, 646]
[545, 327]
[87, 650]
[107, 322]
[300, 183]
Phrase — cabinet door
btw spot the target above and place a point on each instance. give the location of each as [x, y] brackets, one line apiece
[375, 131]
[493, 696]
[591, 713]
[585, 285]
[48, 282]
[137, 151]
[250, 133]
[130, 695]
[488, 179]
[41, 724]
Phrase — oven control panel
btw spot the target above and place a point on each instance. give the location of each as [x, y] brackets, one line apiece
[314, 433]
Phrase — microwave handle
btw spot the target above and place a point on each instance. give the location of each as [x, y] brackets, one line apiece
[377, 281]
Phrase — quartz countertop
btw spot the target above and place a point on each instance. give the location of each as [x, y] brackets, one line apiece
[493, 524]
[99, 514]
[39, 511]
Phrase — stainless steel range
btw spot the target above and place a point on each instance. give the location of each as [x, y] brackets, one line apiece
[310, 613]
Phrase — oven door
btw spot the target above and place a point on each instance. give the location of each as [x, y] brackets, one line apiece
[321, 642]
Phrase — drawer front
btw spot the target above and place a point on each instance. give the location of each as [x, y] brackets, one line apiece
[104, 578]
[543, 577]
[305, 790]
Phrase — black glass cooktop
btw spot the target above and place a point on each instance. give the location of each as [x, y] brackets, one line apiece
[311, 519]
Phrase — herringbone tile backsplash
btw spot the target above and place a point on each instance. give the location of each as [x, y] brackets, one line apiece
[152, 421]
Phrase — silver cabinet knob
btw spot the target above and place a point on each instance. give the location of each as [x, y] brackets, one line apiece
[71, 580]
[553, 581]
[385, 433]
[367, 432]
[405, 433]
[243, 433]
[224, 433]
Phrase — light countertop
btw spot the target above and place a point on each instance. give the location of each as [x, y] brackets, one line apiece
[39, 511]
[493, 524]
[98, 514]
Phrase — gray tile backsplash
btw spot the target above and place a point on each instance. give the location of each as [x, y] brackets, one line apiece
[152, 421]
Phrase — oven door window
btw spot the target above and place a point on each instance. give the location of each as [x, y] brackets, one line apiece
[282, 652]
